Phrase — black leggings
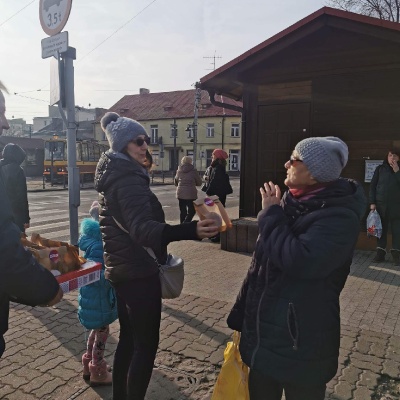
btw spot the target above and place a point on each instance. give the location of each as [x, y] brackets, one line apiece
[139, 312]
[262, 387]
[187, 211]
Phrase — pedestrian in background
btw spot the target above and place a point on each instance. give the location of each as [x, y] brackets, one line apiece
[384, 196]
[288, 307]
[97, 304]
[132, 218]
[15, 183]
[186, 180]
[22, 278]
[217, 180]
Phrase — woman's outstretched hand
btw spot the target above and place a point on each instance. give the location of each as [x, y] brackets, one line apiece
[270, 195]
[206, 228]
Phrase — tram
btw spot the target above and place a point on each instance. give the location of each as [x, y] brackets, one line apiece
[88, 153]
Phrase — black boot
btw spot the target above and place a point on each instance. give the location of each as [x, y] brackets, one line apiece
[396, 257]
[380, 254]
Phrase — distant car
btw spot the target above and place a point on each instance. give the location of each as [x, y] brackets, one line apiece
[49, 3]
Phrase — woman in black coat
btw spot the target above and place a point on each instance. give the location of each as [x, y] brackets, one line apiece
[15, 183]
[384, 196]
[126, 199]
[288, 308]
[217, 180]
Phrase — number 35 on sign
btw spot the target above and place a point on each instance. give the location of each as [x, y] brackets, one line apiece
[53, 15]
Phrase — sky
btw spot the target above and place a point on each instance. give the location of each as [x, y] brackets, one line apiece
[124, 45]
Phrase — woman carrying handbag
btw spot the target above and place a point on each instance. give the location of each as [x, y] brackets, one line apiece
[217, 180]
[125, 196]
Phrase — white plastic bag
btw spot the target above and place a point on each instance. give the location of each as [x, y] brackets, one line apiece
[374, 224]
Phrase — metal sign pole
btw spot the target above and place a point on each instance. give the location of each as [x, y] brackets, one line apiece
[53, 16]
[73, 172]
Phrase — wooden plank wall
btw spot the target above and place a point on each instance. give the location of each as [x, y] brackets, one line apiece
[361, 108]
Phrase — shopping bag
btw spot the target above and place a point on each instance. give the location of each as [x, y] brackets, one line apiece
[233, 380]
[374, 224]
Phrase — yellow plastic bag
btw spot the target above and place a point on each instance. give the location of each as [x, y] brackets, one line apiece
[233, 380]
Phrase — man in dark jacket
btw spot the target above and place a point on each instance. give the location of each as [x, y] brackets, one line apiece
[384, 196]
[22, 279]
[15, 183]
[288, 308]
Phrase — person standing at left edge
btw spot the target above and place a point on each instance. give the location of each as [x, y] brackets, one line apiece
[22, 278]
[288, 307]
[15, 183]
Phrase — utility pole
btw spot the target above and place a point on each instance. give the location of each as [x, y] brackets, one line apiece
[68, 58]
[197, 100]
[174, 130]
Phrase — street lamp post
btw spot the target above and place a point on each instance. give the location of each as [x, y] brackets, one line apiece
[53, 148]
[196, 114]
[175, 159]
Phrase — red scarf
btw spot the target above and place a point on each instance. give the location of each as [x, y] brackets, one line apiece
[308, 191]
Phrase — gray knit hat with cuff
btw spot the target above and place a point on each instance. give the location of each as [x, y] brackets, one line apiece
[325, 157]
[120, 130]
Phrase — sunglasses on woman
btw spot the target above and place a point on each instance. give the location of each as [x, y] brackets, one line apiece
[140, 141]
[292, 160]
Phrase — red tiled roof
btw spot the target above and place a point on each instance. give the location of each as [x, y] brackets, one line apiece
[170, 105]
[323, 11]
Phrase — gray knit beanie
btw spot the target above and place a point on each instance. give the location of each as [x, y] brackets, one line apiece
[120, 130]
[325, 157]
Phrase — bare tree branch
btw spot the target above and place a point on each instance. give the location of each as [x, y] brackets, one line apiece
[383, 9]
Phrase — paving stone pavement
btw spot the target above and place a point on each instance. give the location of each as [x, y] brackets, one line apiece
[44, 345]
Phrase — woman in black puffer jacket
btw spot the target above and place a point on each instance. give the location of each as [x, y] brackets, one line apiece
[288, 308]
[217, 180]
[125, 198]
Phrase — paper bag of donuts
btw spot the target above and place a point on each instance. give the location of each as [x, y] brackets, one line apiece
[211, 208]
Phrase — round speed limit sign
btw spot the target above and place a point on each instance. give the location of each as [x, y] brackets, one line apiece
[54, 15]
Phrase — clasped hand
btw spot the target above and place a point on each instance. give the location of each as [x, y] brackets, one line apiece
[270, 195]
[206, 228]
[394, 165]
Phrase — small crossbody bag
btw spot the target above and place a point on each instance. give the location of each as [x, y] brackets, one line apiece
[172, 273]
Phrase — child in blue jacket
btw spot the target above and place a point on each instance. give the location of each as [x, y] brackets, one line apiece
[97, 305]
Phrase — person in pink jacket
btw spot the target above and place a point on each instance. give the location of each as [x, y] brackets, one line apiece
[186, 180]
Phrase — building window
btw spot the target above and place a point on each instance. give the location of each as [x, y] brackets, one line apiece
[234, 162]
[154, 134]
[209, 157]
[235, 130]
[174, 131]
[156, 158]
[210, 130]
[190, 132]
[189, 153]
